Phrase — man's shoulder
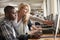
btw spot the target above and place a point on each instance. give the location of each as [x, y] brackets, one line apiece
[2, 22]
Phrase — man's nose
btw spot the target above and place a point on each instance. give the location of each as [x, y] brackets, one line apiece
[15, 15]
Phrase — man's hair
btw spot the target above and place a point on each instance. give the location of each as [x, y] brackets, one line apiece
[8, 9]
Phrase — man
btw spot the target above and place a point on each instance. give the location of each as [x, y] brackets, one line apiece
[7, 28]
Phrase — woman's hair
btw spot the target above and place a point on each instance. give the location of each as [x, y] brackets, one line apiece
[23, 5]
[26, 17]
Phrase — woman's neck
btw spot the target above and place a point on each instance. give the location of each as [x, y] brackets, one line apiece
[19, 17]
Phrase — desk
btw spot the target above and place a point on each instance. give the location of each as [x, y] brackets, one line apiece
[46, 37]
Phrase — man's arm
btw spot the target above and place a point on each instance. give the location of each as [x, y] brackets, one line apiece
[5, 33]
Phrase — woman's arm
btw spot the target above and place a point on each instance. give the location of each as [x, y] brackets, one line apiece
[48, 22]
[36, 18]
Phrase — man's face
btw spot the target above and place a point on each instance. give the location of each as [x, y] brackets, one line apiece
[13, 14]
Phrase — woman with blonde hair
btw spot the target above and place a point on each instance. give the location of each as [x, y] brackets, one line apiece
[25, 10]
[23, 17]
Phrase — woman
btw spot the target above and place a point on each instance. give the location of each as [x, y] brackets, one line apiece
[24, 14]
[23, 17]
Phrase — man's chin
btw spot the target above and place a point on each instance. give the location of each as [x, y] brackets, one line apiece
[13, 18]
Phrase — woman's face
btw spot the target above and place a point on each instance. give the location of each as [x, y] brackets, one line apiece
[24, 10]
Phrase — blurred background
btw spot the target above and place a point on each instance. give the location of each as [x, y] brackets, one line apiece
[45, 9]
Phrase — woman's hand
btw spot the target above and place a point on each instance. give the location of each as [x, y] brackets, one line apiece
[33, 32]
[48, 22]
[36, 27]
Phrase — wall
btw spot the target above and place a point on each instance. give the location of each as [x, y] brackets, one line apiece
[59, 14]
[1, 10]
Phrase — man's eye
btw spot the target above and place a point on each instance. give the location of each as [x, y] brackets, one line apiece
[13, 13]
